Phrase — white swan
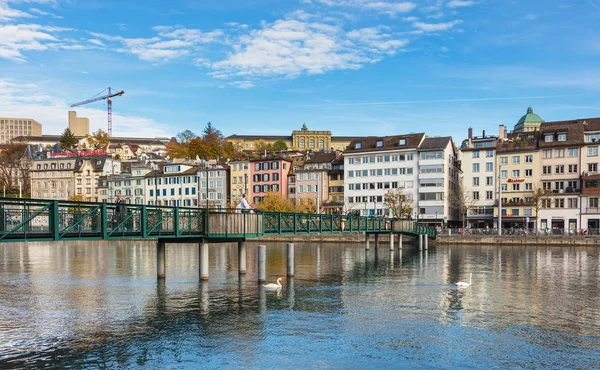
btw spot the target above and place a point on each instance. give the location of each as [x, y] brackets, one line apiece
[273, 286]
[462, 284]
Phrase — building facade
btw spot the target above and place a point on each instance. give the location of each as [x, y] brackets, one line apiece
[268, 175]
[11, 128]
[131, 184]
[239, 182]
[214, 186]
[172, 184]
[335, 201]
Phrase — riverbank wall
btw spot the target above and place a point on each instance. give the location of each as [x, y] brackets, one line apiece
[549, 240]
[334, 238]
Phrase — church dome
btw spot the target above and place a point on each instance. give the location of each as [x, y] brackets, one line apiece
[529, 121]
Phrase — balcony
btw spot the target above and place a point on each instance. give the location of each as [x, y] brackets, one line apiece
[592, 210]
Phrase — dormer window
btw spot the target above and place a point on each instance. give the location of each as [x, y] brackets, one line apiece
[548, 138]
[402, 142]
[358, 145]
[379, 144]
[562, 137]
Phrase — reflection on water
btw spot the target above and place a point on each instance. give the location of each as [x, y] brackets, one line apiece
[97, 304]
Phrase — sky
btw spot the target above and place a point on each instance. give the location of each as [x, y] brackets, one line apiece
[354, 67]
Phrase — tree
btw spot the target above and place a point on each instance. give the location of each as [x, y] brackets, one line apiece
[98, 139]
[274, 202]
[306, 205]
[399, 203]
[261, 146]
[68, 140]
[462, 200]
[538, 197]
[210, 133]
[77, 198]
[279, 146]
[14, 169]
[185, 137]
[174, 150]
[198, 148]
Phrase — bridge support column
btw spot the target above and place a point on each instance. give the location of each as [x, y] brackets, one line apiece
[376, 241]
[242, 257]
[203, 249]
[420, 242]
[392, 242]
[367, 237]
[290, 259]
[161, 259]
[262, 262]
[399, 241]
[426, 242]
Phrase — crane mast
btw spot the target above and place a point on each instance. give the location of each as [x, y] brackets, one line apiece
[108, 98]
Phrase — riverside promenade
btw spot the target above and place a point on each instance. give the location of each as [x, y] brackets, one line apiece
[533, 240]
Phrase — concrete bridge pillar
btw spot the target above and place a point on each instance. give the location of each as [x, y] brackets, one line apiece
[391, 241]
[161, 259]
[242, 257]
[290, 259]
[203, 249]
[420, 242]
[399, 241]
[367, 236]
[426, 241]
[262, 262]
[376, 241]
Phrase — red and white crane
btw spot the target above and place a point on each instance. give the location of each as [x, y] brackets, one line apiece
[108, 98]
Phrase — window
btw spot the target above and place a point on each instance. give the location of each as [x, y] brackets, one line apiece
[489, 153]
[546, 170]
[489, 181]
[504, 188]
[572, 168]
[593, 167]
[528, 159]
[432, 155]
[516, 187]
[548, 138]
[560, 169]
[562, 137]
[573, 152]
[528, 186]
[546, 203]
[503, 160]
[593, 202]
[547, 153]
[516, 159]
[476, 154]
[528, 173]
[379, 144]
[475, 167]
[547, 185]
[489, 195]
[516, 173]
[475, 195]
[559, 203]
[311, 143]
[489, 167]
[504, 174]
[402, 142]
[475, 181]
[560, 153]
[573, 203]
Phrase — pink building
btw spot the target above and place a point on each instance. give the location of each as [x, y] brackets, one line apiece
[268, 174]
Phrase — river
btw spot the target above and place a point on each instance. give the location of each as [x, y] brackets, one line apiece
[99, 305]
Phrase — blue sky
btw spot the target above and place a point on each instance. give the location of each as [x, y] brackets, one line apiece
[355, 67]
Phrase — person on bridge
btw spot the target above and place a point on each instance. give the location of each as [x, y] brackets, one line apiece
[119, 210]
[244, 205]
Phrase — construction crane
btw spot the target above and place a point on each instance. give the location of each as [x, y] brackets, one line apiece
[108, 98]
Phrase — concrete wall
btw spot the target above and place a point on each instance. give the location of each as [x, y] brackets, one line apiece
[554, 240]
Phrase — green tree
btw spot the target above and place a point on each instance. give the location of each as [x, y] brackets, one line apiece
[67, 139]
[279, 146]
[261, 146]
[399, 203]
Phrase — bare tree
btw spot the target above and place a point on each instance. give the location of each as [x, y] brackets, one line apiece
[399, 203]
[14, 170]
[537, 200]
[463, 200]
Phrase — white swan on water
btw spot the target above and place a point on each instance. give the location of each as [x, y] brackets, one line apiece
[273, 286]
[465, 285]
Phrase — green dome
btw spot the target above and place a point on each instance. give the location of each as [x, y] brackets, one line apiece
[530, 117]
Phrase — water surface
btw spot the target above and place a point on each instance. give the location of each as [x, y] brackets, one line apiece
[99, 305]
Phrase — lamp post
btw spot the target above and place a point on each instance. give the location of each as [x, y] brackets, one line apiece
[500, 200]
[207, 187]
[246, 179]
[156, 186]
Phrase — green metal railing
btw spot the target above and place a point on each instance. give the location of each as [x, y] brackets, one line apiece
[39, 220]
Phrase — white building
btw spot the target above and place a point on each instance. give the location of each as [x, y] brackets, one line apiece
[375, 165]
[477, 156]
[217, 191]
[439, 182]
[131, 184]
[172, 184]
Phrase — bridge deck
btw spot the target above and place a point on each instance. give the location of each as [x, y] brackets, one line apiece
[32, 219]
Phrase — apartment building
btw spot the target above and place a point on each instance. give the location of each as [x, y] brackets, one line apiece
[375, 165]
[130, 184]
[335, 202]
[478, 164]
[590, 176]
[14, 127]
[172, 184]
[312, 184]
[239, 182]
[214, 186]
[518, 163]
[560, 146]
[438, 182]
[268, 174]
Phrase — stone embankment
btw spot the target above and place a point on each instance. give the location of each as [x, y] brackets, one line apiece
[336, 238]
[548, 240]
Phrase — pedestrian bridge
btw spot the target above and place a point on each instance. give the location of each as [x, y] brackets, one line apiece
[23, 220]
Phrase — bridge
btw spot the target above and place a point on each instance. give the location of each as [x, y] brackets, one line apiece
[28, 220]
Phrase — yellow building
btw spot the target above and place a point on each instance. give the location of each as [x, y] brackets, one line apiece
[238, 181]
[14, 127]
[518, 163]
[79, 126]
[335, 201]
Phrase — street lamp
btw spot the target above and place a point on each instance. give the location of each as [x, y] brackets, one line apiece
[156, 186]
[246, 179]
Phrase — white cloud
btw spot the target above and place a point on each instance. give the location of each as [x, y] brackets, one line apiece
[460, 3]
[29, 100]
[8, 14]
[291, 47]
[379, 6]
[43, 13]
[435, 27]
[242, 84]
[15, 38]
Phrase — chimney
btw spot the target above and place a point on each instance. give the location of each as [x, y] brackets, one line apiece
[483, 134]
[470, 132]
[502, 132]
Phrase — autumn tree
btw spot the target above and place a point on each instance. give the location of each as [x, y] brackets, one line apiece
[175, 150]
[399, 203]
[67, 139]
[98, 139]
[274, 202]
[213, 140]
[279, 146]
[306, 205]
[198, 149]
[14, 169]
[261, 146]
[185, 137]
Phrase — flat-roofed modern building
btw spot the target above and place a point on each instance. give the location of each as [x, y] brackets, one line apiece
[15, 127]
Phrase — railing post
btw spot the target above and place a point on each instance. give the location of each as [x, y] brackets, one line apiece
[295, 222]
[279, 218]
[143, 221]
[104, 221]
[176, 220]
[56, 220]
[331, 223]
[320, 223]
